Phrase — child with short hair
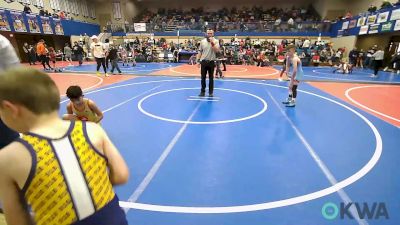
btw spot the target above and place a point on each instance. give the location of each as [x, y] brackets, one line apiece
[124, 56]
[53, 59]
[62, 171]
[80, 108]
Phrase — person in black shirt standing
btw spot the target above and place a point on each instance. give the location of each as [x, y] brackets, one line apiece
[78, 52]
[206, 57]
[113, 57]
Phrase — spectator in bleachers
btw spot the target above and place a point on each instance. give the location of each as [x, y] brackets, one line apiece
[386, 5]
[372, 8]
[27, 9]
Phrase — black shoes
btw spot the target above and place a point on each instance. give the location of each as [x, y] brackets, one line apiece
[203, 94]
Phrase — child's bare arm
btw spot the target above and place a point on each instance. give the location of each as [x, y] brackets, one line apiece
[14, 206]
[69, 108]
[119, 171]
[96, 110]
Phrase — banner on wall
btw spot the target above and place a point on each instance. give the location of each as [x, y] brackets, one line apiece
[33, 23]
[397, 25]
[383, 17]
[352, 24]
[46, 25]
[387, 26]
[371, 19]
[58, 27]
[361, 21]
[18, 22]
[139, 27]
[373, 29]
[395, 14]
[364, 29]
[345, 25]
[4, 25]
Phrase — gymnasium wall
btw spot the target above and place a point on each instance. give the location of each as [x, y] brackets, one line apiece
[334, 8]
[214, 5]
[129, 10]
[367, 41]
[348, 42]
[18, 6]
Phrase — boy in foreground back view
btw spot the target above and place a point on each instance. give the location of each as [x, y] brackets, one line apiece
[62, 170]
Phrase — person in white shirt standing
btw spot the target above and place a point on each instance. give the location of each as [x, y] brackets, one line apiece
[98, 52]
[208, 49]
[378, 60]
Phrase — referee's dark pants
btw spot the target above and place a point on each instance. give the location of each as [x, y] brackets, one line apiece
[377, 65]
[6, 135]
[207, 66]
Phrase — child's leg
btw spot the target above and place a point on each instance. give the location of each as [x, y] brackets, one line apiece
[112, 66]
[98, 61]
[103, 63]
[48, 63]
[116, 65]
[43, 60]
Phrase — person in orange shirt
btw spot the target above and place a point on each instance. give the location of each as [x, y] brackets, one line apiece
[42, 53]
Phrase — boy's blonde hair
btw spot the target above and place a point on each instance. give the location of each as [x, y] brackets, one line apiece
[30, 88]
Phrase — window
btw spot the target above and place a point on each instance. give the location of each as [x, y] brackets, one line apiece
[38, 3]
[92, 13]
[117, 10]
[55, 4]
[76, 7]
[24, 2]
[84, 8]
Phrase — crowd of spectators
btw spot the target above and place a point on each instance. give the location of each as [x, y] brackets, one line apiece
[255, 18]
[58, 14]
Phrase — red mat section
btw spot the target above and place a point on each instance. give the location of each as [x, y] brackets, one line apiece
[85, 81]
[381, 100]
[233, 71]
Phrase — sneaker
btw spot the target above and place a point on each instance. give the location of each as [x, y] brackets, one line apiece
[288, 100]
[202, 94]
[398, 71]
[211, 95]
[280, 79]
[107, 75]
[98, 73]
[291, 104]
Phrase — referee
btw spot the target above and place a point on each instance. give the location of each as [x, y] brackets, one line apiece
[206, 57]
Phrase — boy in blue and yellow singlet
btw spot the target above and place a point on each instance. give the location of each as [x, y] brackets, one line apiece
[80, 108]
[64, 171]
